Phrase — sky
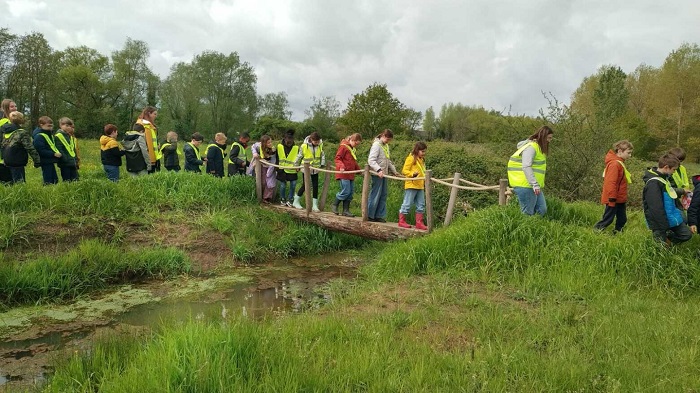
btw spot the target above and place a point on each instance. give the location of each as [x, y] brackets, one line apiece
[493, 53]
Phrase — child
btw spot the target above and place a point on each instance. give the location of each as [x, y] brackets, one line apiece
[263, 150]
[694, 208]
[311, 151]
[48, 152]
[346, 160]
[237, 157]
[138, 162]
[414, 192]
[380, 161]
[17, 146]
[193, 158]
[660, 206]
[171, 157]
[679, 180]
[67, 146]
[287, 152]
[216, 152]
[616, 177]
[110, 153]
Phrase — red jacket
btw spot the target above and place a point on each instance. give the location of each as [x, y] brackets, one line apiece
[614, 181]
[345, 161]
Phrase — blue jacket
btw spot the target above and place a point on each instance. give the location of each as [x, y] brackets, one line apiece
[42, 147]
[192, 163]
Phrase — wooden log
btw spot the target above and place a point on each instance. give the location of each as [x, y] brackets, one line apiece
[259, 179]
[453, 199]
[502, 187]
[366, 178]
[326, 184]
[352, 225]
[307, 186]
[429, 199]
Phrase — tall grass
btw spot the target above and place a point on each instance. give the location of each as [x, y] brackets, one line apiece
[92, 265]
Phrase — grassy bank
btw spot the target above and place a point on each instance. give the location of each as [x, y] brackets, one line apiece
[496, 302]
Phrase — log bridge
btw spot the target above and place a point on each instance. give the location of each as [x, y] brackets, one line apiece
[361, 226]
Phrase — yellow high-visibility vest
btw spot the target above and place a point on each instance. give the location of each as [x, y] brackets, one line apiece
[516, 176]
[287, 160]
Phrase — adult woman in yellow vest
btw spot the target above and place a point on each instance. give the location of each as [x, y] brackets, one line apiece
[146, 124]
[7, 106]
[287, 152]
[526, 171]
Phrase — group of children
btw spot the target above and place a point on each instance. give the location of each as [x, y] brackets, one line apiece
[47, 147]
[665, 198]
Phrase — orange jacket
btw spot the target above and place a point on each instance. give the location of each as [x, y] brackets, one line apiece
[614, 181]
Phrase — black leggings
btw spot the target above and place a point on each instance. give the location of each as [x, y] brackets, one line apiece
[314, 186]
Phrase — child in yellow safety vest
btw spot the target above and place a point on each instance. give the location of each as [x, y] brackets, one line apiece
[45, 145]
[216, 152]
[679, 179]
[68, 147]
[414, 193]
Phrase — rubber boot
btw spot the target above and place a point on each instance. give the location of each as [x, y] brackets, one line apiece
[334, 206]
[314, 207]
[346, 209]
[402, 221]
[296, 203]
[419, 222]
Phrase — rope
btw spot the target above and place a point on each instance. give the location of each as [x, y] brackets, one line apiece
[482, 188]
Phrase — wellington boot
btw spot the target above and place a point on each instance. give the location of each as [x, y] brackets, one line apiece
[334, 206]
[346, 209]
[314, 207]
[419, 222]
[402, 221]
[296, 203]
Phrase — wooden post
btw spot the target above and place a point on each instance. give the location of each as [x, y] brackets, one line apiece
[453, 199]
[307, 186]
[366, 178]
[429, 199]
[259, 179]
[502, 187]
[326, 184]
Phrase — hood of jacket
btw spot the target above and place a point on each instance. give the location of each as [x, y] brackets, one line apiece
[307, 140]
[652, 172]
[107, 142]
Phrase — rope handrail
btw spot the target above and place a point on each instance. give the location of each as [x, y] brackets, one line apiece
[268, 163]
[483, 188]
[476, 186]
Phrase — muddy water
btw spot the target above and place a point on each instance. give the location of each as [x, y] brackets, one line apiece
[36, 336]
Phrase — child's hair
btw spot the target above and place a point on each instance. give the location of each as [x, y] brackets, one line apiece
[109, 129]
[622, 146]
[678, 152]
[244, 135]
[45, 120]
[386, 133]
[669, 160]
[65, 121]
[197, 137]
[314, 136]
[219, 136]
[354, 137]
[169, 136]
[5, 107]
[288, 138]
[419, 146]
[541, 138]
[16, 117]
[268, 151]
[147, 111]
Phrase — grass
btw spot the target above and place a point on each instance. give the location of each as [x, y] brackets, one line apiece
[496, 302]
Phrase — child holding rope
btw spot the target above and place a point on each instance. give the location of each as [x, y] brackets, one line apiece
[414, 193]
[380, 161]
[346, 160]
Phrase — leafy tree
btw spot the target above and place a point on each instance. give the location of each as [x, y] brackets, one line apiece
[374, 110]
[679, 88]
[322, 117]
[181, 98]
[131, 77]
[8, 44]
[430, 123]
[274, 105]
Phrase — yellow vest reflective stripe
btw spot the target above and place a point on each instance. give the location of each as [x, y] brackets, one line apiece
[385, 147]
[163, 146]
[314, 160]
[196, 151]
[670, 190]
[70, 146]
[49, 140]
[287, 160]
[4, 121]
[154, 138]
[241, 153]
[680, 177]
[628, 176]
[516, 176]
[216, 146]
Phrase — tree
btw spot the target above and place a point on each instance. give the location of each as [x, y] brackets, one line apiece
[9, 43]
[430, 123]
[680, 88]
[274, 105]
[374, 110]
[181, 98]
[322, 117]
[412, 118]
[132, 77]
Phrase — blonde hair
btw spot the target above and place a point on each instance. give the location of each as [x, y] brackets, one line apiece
[16, 117]
[622, 146]
[354, 137]
[45, 120]
[219, 136]
[169, 136]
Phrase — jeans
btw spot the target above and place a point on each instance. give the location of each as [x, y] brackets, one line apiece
[413, 196]
[69, 173]
[529, 202]
[619, 211]
[48, 172]
[112, 172]
[283, 189]
[314, 186]
[347, 188]
[17, 173]
[377, 197]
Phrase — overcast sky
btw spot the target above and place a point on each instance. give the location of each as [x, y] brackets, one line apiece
[491, 53]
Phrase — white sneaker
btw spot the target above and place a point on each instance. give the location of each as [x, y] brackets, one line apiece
[288, 204]
[283, 203]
